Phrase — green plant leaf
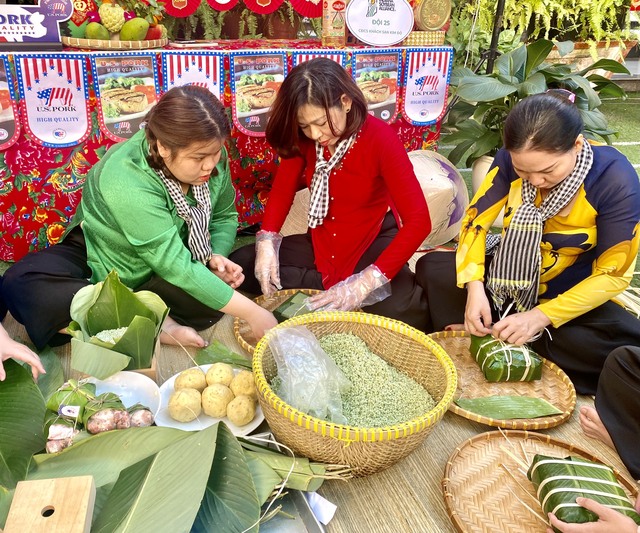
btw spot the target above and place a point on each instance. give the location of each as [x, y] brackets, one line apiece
[537, 52]
[138, 342]
[264, 478]
[95, 360]
[21, 423]
[162, 492]
[155, 304]
[217, 352]
[605, 64]
[483, 89]
[564, 47]
[115, 307]
[508, 407]
[54, 378]
[230, 502]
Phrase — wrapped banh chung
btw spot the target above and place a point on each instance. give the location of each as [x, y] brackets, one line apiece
[501, 361]
[559, 481]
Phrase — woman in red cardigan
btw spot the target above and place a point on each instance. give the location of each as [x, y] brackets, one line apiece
[367, 212]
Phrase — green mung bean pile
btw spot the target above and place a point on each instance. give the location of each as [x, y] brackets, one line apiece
[379, 394]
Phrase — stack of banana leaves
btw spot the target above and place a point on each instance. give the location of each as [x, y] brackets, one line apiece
[559, 481]
[501, 361]
[148, 478]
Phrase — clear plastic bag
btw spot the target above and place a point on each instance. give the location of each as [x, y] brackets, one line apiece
[309, 380]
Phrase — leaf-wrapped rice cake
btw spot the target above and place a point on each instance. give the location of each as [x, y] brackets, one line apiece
[559, 481]
[501, 361]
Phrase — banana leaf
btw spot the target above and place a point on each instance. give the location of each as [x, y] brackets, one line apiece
[107, 306]
[508, 407]
[71, 395]
[54, 378]
[293, 306]
[501, 361]
[21, 423]
[230, 502]
[217, 352]
[559, 481]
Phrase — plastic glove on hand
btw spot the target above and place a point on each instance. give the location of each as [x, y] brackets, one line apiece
[358, 290]
[267, 267]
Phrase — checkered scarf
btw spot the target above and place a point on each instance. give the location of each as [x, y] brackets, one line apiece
[319, 201]
[197, 217]
[515, 270]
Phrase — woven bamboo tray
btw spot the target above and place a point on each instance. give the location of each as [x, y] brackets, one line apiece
[241, 328]
[103, 44]
[480, 496]
[555, 386]
[365, 450]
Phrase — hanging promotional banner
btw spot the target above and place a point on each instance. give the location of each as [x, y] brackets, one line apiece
[301, 57]
[204, 69]
[9, 121]
[28, 24]
[426, 83]
[379, 22]
[54, 98]
[256, 78]
[126, 89]
[377, 74]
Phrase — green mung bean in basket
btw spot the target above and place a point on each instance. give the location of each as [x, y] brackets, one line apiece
[379, 395]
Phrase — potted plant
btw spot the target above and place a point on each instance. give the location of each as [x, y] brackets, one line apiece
[480, 102]
[283, 23]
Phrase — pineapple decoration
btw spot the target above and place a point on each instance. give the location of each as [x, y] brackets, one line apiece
[126, 20]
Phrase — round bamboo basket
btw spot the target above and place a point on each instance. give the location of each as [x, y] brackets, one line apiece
[103, 44]
[241, 328]
[486, 490]
[365, 450]
[555, 386]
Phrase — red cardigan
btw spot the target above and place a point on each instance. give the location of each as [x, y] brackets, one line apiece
[374, 175]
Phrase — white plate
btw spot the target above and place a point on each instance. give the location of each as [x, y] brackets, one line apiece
[203, 421]
[132, 388]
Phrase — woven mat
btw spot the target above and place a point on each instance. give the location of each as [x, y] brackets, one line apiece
[481, 496]
[555, 386]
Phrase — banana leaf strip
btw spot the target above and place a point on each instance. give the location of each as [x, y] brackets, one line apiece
[508, 407]
[114, 328]
[501, 361]
[559, 481]
[217, 352]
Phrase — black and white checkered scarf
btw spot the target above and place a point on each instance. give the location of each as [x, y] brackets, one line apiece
[319, 197]
[197, 217]
[515, 270]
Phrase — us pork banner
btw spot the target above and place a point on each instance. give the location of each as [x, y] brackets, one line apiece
[9, 122]
[301, 57]
[377, 74]
[255, 80]
[193, 68]
[126, 88]
[54, 98]
[426, 83]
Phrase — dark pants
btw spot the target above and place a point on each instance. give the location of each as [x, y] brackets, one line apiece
[407, 302]
[618, 403]
[580, 347]
[39, 288]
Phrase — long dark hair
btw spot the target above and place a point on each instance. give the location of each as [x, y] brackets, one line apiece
[548, 122]
[183, 116]
[319, 82]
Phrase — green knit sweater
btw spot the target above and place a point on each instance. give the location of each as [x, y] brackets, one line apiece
[131, 225]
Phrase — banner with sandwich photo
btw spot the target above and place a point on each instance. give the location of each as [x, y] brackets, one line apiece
[377, 74]
[256, 78]
[127, 88]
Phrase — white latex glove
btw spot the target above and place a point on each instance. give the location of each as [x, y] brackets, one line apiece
[358, 290]
[267, 267]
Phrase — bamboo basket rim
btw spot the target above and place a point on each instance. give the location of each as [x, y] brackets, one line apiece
[474, 467]
[346, 433]
[241, 327]
[557, 389]
[103, 44]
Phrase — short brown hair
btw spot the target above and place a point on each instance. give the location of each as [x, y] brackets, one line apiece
[319, 82]
[183, 116]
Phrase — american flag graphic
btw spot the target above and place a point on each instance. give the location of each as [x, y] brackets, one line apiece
[427, 82]
[301, 57]
[191, 69]
[62, 94]
[436, 63]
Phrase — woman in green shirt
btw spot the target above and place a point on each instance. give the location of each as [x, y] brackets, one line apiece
[159, 209]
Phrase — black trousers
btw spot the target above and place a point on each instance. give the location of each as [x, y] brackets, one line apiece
[618, 403]
[407, 302]
[580, 347]
[39, 288]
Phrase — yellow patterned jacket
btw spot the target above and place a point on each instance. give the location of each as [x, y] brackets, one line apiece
[588, 256]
